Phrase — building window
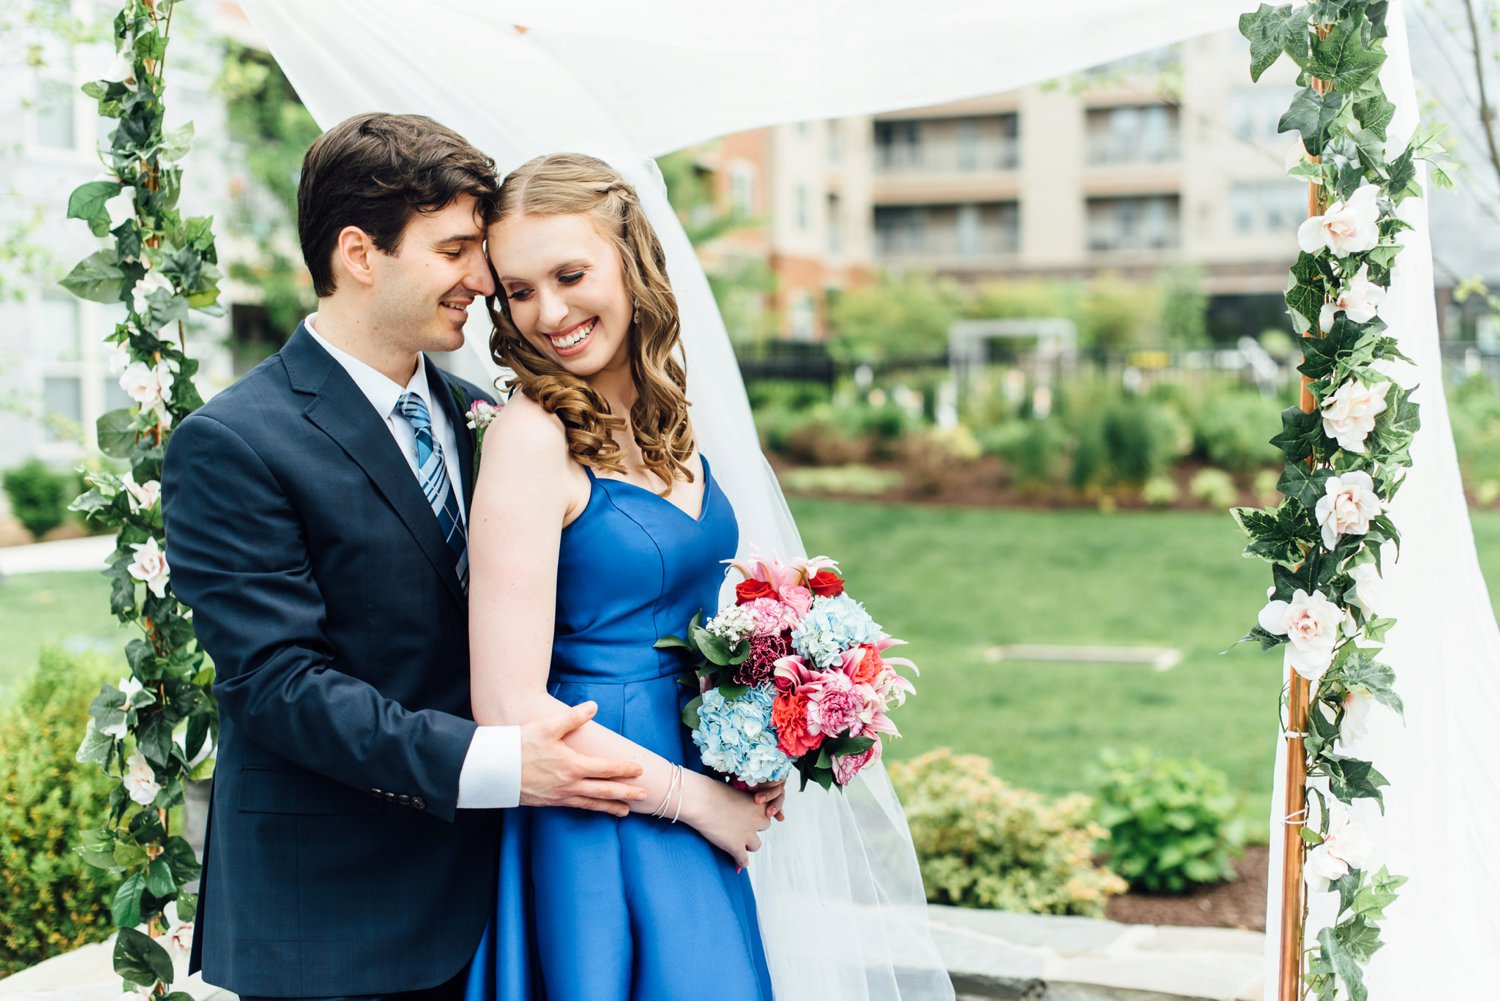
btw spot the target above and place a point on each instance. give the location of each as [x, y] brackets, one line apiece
[1271, 206]
[799, 206]
[1133, 134]
[803, 318]
[969, 231]
[742, 188]
[57, 344]
[968, 144]
[1254, 113]
[898, 144]
[835, 141]
[1141, 223]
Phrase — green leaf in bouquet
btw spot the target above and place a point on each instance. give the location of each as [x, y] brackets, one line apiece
[690, 713]
[732, 692]
[671, 643]
[713, 648]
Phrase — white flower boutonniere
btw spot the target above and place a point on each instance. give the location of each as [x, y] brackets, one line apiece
[480, 415]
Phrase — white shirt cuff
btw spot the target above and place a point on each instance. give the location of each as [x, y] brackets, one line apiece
[491, 774]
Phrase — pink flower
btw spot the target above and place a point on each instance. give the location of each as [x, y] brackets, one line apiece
[846, 766]
[150, 567]
[798, 598]
[836, 705]
[771, 617]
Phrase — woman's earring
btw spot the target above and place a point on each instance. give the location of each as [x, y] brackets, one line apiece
[636, 316]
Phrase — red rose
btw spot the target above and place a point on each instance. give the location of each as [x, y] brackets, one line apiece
[747, 591]
[789, 717]
[826, 584]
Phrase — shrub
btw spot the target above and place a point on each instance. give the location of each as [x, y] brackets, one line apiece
[882, 426]
[866, 481]
[38, 496]
[1234, 431]
[1160, 491]
[982, 843]
[53, 900]
[1033, 451]
[824, 442]
[1169, 821]
[1474, 406]
[1141, 439]
[1213, 487]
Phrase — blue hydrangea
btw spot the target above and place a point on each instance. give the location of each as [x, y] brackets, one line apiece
[736, 737]
[832, 626]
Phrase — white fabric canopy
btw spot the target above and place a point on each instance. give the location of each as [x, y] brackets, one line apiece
[631, 81]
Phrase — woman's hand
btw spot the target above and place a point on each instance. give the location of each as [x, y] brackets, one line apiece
[773, 796]
[731, 820]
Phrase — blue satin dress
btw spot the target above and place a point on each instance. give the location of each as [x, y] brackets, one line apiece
[593, 907]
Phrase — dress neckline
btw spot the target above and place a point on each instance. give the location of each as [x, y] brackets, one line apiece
[708, 485]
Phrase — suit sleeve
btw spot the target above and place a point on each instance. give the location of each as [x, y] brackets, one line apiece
[239, 559]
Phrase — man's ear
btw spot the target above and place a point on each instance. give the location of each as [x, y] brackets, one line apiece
[353, 254]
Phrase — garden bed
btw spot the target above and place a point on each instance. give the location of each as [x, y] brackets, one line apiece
[1240, 904]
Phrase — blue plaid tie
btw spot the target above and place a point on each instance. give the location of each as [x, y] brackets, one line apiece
[432, 473]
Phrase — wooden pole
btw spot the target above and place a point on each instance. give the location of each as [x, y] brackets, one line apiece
[1299, 698]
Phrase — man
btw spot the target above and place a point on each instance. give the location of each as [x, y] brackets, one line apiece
[315, 524]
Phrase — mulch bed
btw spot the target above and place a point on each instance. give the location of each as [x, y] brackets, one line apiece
[1240, 904]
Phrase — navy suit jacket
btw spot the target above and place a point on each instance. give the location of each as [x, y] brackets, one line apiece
[322, 588]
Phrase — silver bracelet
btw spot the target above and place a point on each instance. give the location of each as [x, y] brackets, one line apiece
[661, 809]
[681, 790]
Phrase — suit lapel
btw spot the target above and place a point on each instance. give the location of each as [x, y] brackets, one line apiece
[449, 394]
[342, 412]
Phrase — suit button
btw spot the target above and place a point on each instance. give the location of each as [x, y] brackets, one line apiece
[376, 792]
[404, 799]
[390, 795]
[419, 802]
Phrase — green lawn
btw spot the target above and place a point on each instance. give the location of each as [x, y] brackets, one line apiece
[67, 610]
[954, 582]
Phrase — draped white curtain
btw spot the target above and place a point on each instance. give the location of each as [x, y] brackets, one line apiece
[631, 81]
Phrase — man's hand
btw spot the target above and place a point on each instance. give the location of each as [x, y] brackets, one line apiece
[553, 774]
[773, 796]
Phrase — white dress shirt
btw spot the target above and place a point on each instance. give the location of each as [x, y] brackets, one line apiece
[491, 773]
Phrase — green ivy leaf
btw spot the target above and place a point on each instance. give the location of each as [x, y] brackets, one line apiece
[1344, 965]
[1301, 433]
[1313, 115]
[1344, 57]
[125, 910]
[140, 959]
[1351, 779]
[96, 747]
[1302, 484]
[1375, 114]
[1363, 671]
[1272, 31]
[97, 278]
[87, 203]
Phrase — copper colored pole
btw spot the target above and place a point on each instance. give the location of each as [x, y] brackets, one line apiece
[1298, 704]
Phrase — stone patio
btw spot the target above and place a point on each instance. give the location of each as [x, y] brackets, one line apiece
[991, 955]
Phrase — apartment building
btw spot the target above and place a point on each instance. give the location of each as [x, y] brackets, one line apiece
[1166, 159]
[55, 379]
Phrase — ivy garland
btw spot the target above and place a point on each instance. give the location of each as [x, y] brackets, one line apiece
[156, 729]
[1347, 454]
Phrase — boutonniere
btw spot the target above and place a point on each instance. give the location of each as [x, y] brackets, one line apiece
[480, 414]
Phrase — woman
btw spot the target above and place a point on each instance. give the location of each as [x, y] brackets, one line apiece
[596, 529]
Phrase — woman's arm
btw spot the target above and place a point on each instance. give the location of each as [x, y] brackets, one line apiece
[528, 489]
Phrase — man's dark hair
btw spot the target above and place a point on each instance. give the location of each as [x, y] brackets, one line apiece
[375, 171]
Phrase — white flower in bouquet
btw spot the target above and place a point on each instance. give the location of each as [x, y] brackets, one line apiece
[1360, 299]
[1345, 227]
[1368, 593]
[1348, 503]
[143, 496]
[150, 567]
[733, 624]
[1312, 624]
[150, 282]
[140, 780]
[1349, 413]
[1346, 846]
[148, 385]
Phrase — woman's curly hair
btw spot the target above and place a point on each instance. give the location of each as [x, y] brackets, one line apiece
[574, 184]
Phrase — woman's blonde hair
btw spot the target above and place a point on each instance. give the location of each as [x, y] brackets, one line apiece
[574, 184]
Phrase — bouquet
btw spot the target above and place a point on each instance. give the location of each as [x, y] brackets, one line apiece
[791, 676]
